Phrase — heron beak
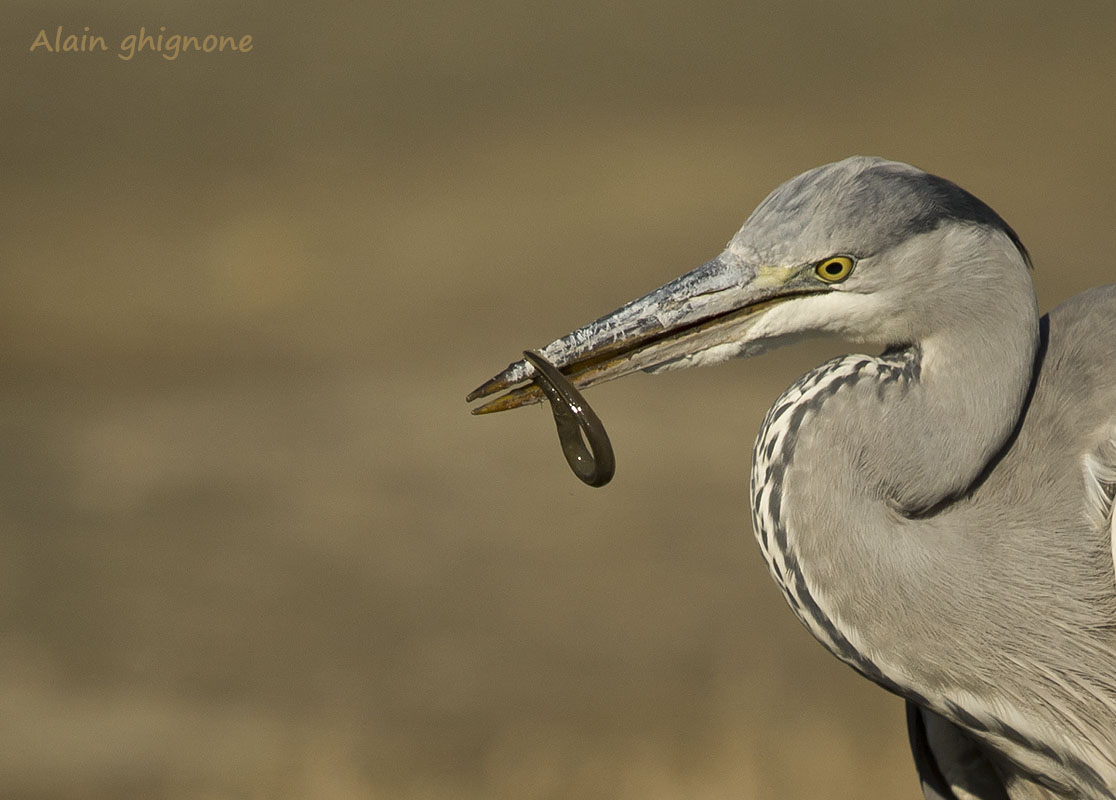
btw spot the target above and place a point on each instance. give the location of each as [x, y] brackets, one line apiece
[709, 309]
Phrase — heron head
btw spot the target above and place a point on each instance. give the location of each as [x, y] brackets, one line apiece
[866, 249]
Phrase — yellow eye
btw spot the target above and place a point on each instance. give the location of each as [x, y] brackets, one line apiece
[834, 270]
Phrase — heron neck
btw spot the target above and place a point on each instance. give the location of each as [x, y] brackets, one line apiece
[868, 489]
[927, 441]
[857, 462]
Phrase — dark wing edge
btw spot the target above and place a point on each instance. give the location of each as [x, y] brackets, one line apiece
[934, 786]
[948, 760]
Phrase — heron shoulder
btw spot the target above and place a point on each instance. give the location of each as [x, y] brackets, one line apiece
[1076, 382]
[1078, 378]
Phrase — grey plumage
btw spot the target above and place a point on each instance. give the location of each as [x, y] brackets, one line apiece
[938, 516]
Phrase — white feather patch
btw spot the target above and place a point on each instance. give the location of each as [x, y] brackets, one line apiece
[1099, 467]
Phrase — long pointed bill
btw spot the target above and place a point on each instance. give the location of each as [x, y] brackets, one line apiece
[711, 308]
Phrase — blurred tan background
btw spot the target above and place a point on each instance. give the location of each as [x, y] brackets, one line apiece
[252, 545]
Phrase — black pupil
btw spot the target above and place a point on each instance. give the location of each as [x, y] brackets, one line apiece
[833, 268]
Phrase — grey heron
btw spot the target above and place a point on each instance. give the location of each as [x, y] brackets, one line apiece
[940, 515]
